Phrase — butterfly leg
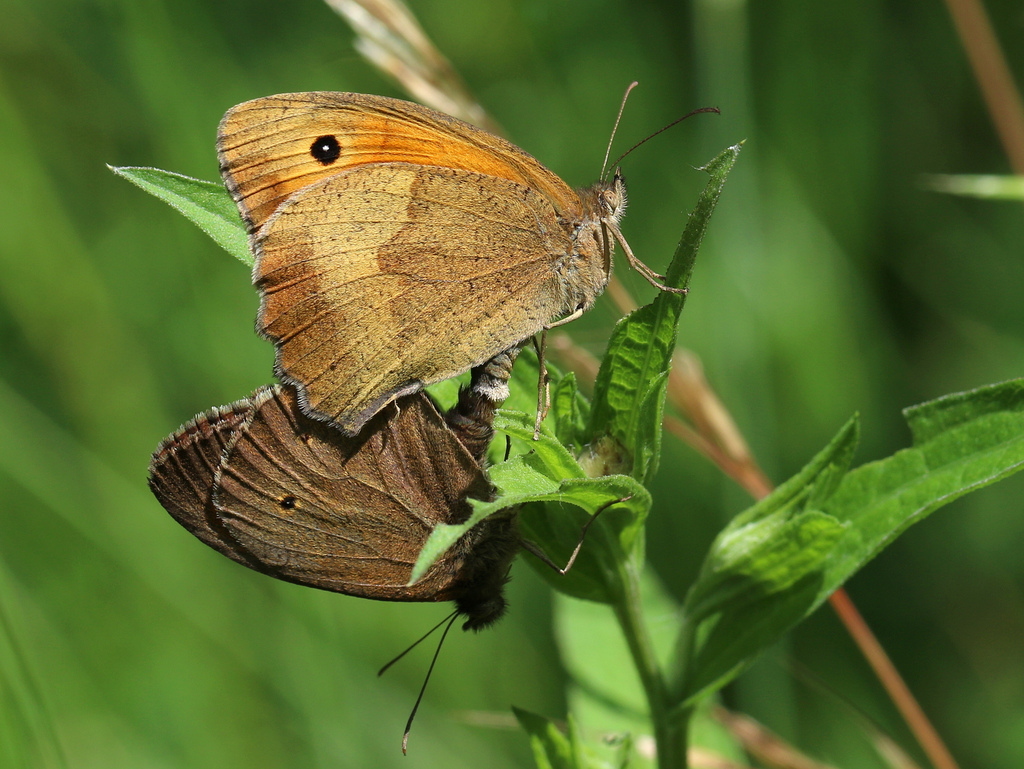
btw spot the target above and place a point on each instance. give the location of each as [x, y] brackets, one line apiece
[543, 390]
[655, 279]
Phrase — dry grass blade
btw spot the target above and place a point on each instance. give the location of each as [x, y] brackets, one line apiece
[390, 38]
[994, 76]
[690, 392]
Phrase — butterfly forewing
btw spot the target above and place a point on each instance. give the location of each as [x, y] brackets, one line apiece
[343, 514]
[294, 498]
[183, 467]
[397, 246]
[264, 146]
[405, 294]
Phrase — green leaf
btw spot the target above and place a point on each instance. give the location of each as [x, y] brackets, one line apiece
[962, 442]
[781, 559]
[551, 748]
[610, 542]
[207, 204]
[766, 584]
[549, 473]
[546, 452]
[650, 414]
[570, 411]
[809, 487]
[628, 393]
[763, 572]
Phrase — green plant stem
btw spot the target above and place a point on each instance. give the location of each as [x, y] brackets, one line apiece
[670, 727]
[676, 684]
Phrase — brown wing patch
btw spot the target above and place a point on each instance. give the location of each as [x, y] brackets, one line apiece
[418, 275]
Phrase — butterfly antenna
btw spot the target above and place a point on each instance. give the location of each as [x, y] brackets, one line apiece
[426, 680]
[620, 158]
[418, 641]
[532, 547]
[608, 151]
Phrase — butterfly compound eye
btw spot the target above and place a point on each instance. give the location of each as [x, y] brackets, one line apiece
[325, 150]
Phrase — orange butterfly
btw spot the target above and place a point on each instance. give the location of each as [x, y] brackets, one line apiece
[397, 246]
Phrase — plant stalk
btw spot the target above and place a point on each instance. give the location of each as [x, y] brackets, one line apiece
[670, 726]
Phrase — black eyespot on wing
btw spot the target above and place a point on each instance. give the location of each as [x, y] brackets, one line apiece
[325, 150]
[288, 503]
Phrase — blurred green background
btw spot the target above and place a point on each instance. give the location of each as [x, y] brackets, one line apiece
[830, 282]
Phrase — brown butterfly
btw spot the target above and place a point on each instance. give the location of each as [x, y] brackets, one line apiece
[294, 498]
[397, 246]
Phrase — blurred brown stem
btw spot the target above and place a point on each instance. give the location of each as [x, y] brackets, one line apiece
[927, 737]
[763, 744]
[993, 76]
